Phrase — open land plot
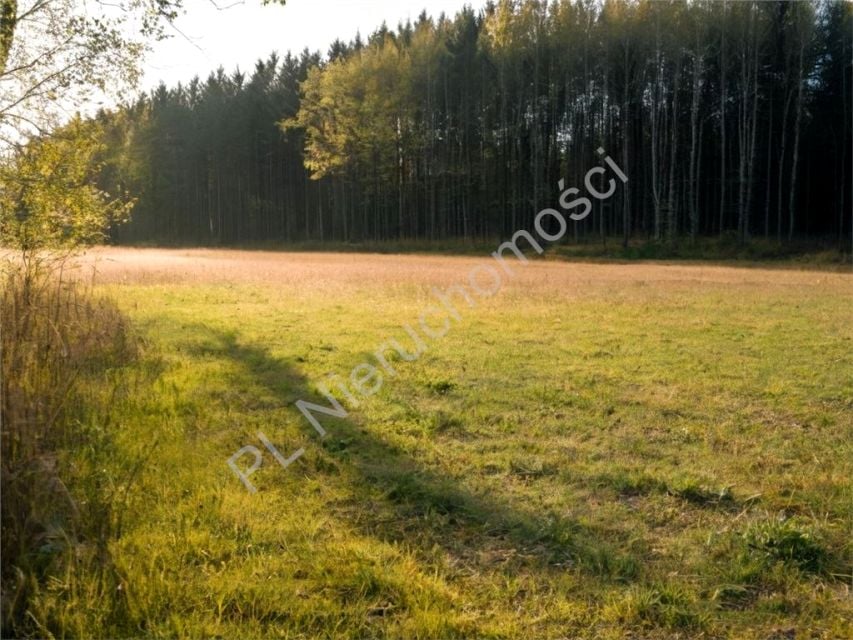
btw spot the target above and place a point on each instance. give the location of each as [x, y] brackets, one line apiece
[596, 451]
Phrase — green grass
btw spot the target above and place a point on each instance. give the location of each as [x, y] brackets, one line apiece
[636, 459]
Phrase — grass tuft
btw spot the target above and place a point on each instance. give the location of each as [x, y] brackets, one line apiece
[788, 542]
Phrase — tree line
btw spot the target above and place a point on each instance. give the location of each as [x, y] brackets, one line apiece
[729, 118]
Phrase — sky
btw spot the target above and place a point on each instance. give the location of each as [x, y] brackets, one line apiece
[240, 32]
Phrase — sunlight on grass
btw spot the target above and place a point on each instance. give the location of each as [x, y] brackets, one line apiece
[597, 450]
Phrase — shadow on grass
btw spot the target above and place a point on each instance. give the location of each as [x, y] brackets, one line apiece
[426, 508]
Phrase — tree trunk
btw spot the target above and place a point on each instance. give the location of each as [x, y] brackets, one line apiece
[694, 121]
[769, 169]
[626, 122]
[793, 185]
[672, 213]
[723, 121]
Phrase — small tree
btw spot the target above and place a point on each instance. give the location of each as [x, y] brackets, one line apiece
[48, 196]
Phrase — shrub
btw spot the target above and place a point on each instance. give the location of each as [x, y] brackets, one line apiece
[57, 342]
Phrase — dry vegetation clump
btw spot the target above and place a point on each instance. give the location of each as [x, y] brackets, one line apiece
[58, 342]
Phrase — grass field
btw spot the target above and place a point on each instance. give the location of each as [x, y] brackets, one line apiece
[598, 451]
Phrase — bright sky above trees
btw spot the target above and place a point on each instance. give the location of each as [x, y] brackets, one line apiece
[246, 31]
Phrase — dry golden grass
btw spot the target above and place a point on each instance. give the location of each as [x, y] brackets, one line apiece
[334, 271]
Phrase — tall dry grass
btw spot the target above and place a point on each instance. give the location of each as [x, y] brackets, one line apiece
[57, 340]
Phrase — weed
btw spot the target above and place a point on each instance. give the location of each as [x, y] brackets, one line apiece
[786, 541]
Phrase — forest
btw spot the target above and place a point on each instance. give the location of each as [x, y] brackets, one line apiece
[730, 119]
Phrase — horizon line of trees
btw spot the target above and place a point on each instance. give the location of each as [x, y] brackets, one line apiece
[728, 118]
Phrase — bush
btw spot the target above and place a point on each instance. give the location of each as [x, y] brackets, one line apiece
[57, 342]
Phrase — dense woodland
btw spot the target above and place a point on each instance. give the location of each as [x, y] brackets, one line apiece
[729, 118]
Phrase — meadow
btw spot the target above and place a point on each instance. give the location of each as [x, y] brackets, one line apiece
[635, 450]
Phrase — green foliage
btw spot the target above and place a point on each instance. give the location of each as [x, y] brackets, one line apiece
[48, 197]
[349, 114]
